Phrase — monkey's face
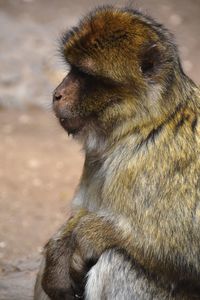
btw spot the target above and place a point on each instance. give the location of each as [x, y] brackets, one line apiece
[81, 99]
[117, 58]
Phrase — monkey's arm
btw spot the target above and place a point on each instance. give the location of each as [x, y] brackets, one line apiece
[95, 234]
[86, 236]
[73, 250]
[54, 277]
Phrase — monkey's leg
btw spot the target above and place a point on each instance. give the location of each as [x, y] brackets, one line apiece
[115, 277]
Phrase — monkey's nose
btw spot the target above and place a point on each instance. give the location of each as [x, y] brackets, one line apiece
[57, 96]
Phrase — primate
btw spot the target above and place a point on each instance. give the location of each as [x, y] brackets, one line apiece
[135, 228]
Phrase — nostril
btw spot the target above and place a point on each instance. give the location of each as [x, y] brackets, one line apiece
[57, 96]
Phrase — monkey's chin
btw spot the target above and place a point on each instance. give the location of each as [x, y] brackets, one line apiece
[72, 126]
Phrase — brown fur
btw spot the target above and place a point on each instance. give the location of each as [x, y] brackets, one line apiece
[137, 114]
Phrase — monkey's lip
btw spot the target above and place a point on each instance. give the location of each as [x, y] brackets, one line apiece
[72, 126]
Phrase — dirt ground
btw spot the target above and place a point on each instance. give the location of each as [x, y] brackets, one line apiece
[39, 165]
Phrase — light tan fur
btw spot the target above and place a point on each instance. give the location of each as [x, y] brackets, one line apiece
[137, 114]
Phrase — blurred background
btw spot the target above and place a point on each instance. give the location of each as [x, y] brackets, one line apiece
[39, 165]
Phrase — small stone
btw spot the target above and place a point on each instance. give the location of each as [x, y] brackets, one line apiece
[3, 245]
[40, 249]
[33, 163]
[175, 19]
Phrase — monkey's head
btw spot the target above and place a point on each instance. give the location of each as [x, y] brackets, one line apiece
[122, 64]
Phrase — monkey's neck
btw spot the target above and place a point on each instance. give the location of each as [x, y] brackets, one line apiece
[182, 98]
[131, 142]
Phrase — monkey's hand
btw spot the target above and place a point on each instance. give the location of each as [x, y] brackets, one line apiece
[71, 254]
[56, 280]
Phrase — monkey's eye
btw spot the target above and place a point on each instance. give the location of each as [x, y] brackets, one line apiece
[147, 66]
[150, 61]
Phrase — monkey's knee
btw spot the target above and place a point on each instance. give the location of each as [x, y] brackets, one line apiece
[115, 277]
[111, 278]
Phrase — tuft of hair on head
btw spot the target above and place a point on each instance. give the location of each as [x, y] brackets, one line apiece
[120, 43]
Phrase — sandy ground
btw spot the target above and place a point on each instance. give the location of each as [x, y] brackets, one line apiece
[39, 165]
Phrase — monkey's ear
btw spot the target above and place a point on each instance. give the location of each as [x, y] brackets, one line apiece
[150, 60]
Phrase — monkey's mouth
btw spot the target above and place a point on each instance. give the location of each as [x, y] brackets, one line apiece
[72, 126]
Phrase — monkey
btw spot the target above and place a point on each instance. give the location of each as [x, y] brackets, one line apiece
[134, 232]
[130, 282]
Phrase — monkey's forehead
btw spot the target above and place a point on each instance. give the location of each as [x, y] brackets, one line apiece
[110, 34]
